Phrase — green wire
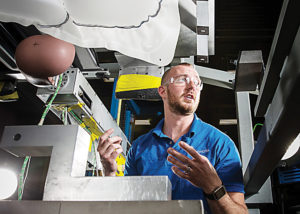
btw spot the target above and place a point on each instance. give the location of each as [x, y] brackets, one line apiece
[53, 97]
[257, 124]
[93, 149]
[80, 121]
[21, 178]
[93, 152]
[63, 116]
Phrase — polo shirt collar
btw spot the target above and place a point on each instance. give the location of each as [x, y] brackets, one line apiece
[158, 129]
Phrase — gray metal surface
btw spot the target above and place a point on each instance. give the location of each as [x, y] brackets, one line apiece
[213, 76]
[253, 211]
[86, 58]
[68, 146]
[153, 70]
[29, 207]
[281, 124]
[206, 17]
[248, 71]
[285, 33]
[216, 77]
[202, 31]
[74, 86]
[187, 42]
[187, 12]
[246, 144]
[68, 207]
[89, 65]
[126, 61]
[263, 196]
[245, 131]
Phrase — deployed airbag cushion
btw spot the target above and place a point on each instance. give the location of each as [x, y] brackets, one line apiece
[142, 29]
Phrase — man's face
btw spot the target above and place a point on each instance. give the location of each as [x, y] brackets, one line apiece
[183, 98]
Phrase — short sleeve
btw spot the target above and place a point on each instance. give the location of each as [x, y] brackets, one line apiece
[228, 167]
[130, 165]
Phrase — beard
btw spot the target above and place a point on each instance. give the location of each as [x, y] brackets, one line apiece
[180, 108]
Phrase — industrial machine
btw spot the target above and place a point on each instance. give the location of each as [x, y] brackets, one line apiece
[122, 58]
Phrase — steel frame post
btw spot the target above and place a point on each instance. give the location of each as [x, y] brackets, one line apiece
[246, 144]
[281, 124]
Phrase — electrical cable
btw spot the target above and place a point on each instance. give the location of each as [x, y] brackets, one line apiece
[93, 144]
[257, 124]
[63, 115]
[26, 174]
[21, 177]
[51, 101]
[27, 159]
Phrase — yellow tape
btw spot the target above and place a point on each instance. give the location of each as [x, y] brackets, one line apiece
[90, 123]
[93, 138]
[121, 165]
[131, 82]
[87, 122]
[77, 106]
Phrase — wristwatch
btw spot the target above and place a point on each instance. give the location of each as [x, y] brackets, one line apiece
[218, 193]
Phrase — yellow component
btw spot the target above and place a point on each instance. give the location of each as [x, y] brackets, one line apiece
[131, 82]
[75, 107]
[121, 165]
[12, 96]
[93, 138]
[90, 123]
[60, 107]
[119, 112]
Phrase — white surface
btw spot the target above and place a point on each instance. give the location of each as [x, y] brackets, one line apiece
[293, 148]
[8, 183]
[143, 29]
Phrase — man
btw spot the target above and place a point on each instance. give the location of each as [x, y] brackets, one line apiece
[197, 158]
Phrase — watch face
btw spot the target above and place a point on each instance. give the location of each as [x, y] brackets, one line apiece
[219, 193]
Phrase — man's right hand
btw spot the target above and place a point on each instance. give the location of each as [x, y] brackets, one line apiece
[109, 148]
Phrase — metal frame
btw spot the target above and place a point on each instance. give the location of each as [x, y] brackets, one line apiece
[114, 102]
[89, 64]
[129, 207]
[68, 147]
[249, 68]
[246, 144]
[285, 33]
[281, 123]
[205, 29]
[74, 88]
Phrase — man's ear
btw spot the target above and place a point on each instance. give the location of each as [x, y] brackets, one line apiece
[161, 91]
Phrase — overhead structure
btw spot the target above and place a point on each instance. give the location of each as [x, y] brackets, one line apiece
[151, 34]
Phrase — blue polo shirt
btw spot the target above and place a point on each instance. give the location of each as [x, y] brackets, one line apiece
[148, 156]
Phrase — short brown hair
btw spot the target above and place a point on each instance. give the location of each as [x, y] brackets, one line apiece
[164, 77]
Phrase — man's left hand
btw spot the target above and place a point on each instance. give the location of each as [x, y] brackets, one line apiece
[198, 170]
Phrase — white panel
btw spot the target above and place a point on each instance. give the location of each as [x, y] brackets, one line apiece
[202, 45]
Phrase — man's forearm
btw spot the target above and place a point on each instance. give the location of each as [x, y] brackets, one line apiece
[226, 205]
